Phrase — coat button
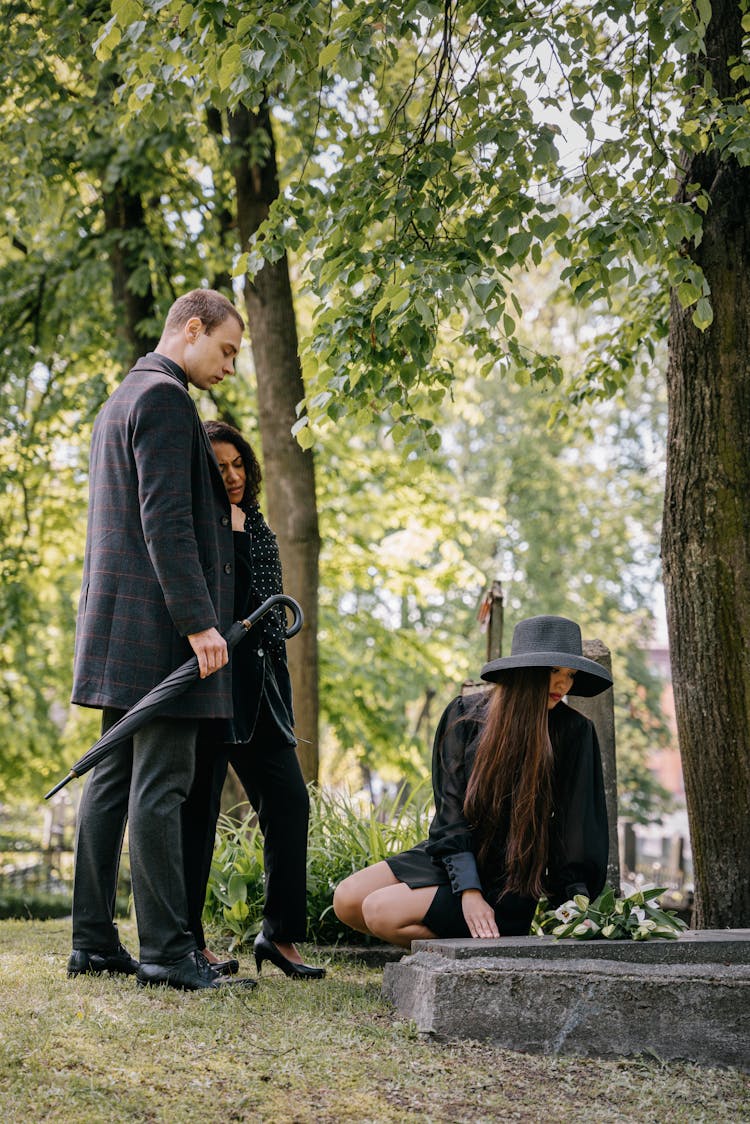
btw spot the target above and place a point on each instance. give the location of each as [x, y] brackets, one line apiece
[227, 567]
[261, 653]
[225, 520]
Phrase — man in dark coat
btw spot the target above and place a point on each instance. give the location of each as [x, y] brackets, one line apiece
[158, 583]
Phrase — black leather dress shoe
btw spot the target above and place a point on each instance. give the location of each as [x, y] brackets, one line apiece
[192, 973]
[83, 962]
[267, 950]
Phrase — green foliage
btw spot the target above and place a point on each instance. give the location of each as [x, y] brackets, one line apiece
[637, 917]
[235, 889]
[34, 905]
[70, 162]
[397, 596]
[343, 838]
[421, 179]
[41, 523]
[641, 729]
[440, 151]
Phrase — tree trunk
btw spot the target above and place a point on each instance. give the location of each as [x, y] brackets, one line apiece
[124, 219]
[706, 534]
[288, 470]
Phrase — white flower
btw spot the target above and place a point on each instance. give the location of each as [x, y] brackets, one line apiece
[638, 913]
[587, 926]
[566, 912]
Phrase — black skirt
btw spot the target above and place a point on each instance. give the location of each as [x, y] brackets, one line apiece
[417, 869]
[445, 918]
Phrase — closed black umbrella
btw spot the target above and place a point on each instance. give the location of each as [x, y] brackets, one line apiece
[174, 684]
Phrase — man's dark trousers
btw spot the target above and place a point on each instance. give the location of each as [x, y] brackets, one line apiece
[145, 781]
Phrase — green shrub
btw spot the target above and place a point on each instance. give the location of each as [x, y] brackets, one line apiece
[40, 905]
[342, 839]
[33, 905]
[234, 898]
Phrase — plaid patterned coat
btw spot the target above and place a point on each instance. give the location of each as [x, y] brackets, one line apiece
[159, 561]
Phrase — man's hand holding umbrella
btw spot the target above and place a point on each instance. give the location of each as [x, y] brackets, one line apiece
[210, 649]
[208, 654]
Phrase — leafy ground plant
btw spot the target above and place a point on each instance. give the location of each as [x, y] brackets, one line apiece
[96, 1050]
[344, 837]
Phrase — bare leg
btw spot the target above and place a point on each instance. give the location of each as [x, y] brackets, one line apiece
[394, 913]
[374, 901]
[350, 894]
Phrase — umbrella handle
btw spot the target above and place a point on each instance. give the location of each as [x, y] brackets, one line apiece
[269, 603]
[189, 669]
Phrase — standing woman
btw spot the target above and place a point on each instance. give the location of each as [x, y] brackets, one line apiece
[520, 808]
[259, 740]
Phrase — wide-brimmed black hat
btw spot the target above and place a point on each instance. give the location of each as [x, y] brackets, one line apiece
[550, 642]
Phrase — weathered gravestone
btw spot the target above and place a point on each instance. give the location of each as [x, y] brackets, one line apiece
[687, 998]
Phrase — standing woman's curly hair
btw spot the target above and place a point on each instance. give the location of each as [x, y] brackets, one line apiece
[222, 431]
[511, 780]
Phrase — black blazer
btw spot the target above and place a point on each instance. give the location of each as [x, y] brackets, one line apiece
[159, 561]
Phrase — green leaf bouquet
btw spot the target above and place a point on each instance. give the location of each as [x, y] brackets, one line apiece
[637, 917]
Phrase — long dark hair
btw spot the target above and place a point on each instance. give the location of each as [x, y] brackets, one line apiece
[511, 780]
[223, 431]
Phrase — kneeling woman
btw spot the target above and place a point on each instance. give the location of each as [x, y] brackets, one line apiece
[519, 799]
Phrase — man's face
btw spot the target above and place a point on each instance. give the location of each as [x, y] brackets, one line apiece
[210, 356]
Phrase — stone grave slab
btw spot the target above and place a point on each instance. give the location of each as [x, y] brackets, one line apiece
[677, 999]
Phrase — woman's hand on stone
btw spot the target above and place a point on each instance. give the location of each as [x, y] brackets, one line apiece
[479, 915]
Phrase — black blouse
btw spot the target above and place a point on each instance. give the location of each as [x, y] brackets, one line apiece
[259, 667]
[577, 862]
[259, 577]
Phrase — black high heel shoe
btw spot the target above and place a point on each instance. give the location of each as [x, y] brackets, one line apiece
[222, 967]
[267, 950]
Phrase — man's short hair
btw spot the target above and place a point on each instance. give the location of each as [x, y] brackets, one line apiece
[210, 307]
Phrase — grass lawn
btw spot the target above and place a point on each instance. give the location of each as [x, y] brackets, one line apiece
[100, 1049]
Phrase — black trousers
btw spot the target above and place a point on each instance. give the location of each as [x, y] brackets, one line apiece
[270, 774]
[143, 782]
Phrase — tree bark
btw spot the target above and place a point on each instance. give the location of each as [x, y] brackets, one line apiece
[123, 219]
[706, 533]
[288, 470]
